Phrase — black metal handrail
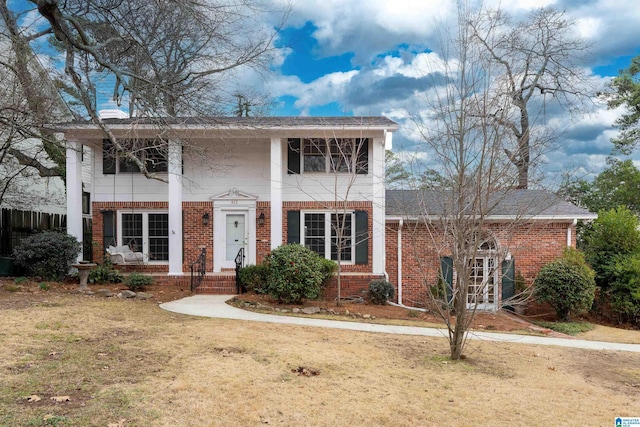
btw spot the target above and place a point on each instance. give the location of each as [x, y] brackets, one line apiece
[198, 269]
[239, 264]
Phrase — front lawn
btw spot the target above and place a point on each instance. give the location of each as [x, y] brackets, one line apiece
[129, 363]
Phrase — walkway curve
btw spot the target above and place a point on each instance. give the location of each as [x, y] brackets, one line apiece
[216, 306]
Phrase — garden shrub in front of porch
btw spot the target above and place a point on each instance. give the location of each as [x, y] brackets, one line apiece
[254, 278]
[137, 281]
[296, 273]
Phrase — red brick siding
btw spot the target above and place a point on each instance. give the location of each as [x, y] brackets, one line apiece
[263, 232]
[350, 285]
[532, 245]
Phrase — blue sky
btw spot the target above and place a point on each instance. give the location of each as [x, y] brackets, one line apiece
[347, 57]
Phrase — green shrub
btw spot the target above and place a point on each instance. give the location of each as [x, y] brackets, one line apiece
[254, 278]
[104, 273]
[624, 291]
[327, 269]
[48, 255]
[137, 281]
[380, 291]
[567, 284]
[44, 286]
[295, 273]
[20, 280]
[613, 234]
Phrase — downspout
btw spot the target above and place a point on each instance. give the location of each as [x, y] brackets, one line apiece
[573, 224]
[399, 303]
[400, 223]
[386, 275]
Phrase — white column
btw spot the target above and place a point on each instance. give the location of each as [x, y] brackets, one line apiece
[276, 192]
[378, 200]
[175, 208]
[74, 191]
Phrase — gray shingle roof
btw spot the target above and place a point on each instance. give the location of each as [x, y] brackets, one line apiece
[258, 122]
[506, 203]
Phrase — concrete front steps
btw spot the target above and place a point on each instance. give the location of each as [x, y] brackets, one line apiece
[212, 284]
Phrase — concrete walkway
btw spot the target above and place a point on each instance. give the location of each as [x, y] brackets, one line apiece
[216, 306]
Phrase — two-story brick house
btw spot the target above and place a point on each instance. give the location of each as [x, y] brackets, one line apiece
[232, 183]
[253, 184]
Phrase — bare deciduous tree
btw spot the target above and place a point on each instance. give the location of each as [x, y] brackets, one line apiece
[28, 99]
[342, 160]
[461, 126]
[535, 68]
[167, 58]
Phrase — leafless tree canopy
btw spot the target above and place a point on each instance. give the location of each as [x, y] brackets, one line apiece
[535, 66]
[464, 126]
[166, 58]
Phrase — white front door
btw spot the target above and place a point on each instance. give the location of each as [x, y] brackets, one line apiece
[236, 235]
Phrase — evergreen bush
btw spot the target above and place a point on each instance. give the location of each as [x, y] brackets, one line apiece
[48, 255]
[254, 278]
[295, 273]
[104, 273]
[137, 282]
[567, 284]
[380, 291]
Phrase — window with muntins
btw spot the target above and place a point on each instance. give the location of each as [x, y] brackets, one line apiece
[151, 152]
[333, 155]
[146, 232]
[327, 234]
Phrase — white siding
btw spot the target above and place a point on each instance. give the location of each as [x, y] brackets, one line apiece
[241, 163]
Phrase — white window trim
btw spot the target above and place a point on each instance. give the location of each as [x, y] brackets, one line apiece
[327, 157]
[119, 157]
[145, 232]
[328, 232]
[487, 273]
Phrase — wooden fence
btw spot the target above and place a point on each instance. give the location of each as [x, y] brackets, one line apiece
[16, 225]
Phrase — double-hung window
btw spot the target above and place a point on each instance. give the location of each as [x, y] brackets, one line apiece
[328, 155]
[146, 232]
[329, 234]
[151, 152]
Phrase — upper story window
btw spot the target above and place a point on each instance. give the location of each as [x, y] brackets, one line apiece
[333, 155]
[151, 152]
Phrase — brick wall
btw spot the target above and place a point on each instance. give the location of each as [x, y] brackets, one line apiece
[531, 245]
[196, 235]
[263, 232]
[360, 206]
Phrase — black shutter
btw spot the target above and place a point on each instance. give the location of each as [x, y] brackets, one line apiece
[108, 229]
[293, 226]
[293, 156]
[508, 278]
[446, 274]
[108, 157]
[362, 237]
[362, 165]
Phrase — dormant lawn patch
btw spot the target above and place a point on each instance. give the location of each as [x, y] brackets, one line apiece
[129, 363]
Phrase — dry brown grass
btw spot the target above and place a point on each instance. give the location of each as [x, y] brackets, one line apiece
[129, 360]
